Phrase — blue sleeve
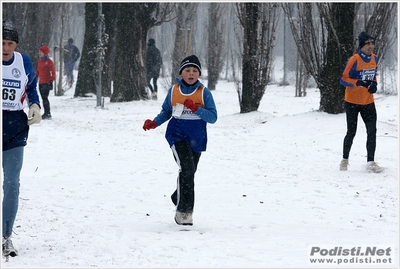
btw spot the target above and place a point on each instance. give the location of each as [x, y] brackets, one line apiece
[351, 74]
[208, 113]
[166, 110]
[31, 87]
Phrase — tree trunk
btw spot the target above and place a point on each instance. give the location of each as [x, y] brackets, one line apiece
[86, 82]
[215, 44]
[134, 20]
[176, 54]
[29, 46]
[184, 13]
[63, 8]
[109, 10]
[251, 16]
[259, 28]
[339, 49]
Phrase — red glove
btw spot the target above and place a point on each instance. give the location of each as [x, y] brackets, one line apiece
[191, 105]
[149, 124]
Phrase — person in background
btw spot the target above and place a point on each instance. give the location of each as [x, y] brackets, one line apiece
[153, 66]
[19, 90]
[188, 106]
[359, 78]
[71, 55]
[47, 74]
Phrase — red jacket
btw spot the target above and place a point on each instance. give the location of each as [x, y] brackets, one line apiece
[45, 70]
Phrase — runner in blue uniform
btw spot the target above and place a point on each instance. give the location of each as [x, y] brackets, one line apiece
[188, 106]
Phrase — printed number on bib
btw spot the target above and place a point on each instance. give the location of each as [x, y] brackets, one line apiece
[368, 74]
[9, 94]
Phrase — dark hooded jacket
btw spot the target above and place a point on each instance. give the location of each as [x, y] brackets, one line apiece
[153, 60]
[72, 53]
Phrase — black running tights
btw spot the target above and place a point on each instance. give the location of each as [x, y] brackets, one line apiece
[187, 161]
[369, 116]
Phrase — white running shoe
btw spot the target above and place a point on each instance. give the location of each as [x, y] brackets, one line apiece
[8, 248]
[343, 164]
[184, 218]
[373, 167]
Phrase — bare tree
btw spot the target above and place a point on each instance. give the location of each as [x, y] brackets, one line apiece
[378, 20]
[215, 55]
[123, 49]
[34, 22]
[259, 29]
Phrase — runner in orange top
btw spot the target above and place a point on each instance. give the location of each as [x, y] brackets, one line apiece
[359, 78]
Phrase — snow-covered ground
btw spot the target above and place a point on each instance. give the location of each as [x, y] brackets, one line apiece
[95, 187]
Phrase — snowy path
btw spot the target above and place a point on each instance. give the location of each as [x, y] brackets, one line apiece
[95, 187]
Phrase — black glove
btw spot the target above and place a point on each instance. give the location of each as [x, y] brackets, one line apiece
[372, 88]
[364, 83]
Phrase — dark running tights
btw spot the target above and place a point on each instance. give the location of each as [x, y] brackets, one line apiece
[369, 116]
[187, 161]
[154, 77]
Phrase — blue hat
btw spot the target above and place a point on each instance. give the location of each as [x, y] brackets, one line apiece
[364, 37]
